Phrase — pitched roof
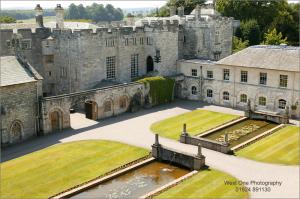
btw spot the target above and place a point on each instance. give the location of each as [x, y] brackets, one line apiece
[13, 72]
[268, 57]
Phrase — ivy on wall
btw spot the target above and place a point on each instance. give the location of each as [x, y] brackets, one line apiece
[161, 89]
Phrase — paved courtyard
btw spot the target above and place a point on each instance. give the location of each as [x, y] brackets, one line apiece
[134, 129]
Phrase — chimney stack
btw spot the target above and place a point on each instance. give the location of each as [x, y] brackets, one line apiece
[39, 16]
[59, 16]
[180, 11]
[172, 10]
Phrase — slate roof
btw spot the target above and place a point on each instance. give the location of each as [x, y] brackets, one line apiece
[13, 72]
[279, 57]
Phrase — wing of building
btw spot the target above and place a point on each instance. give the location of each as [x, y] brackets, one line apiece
[268, 76]
[20, 90]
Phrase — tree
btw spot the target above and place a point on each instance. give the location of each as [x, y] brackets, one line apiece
[238, 44]
[7, 19]
[250, 31]
[81, 12]
[189, 5]
[274, 38]
[73, 12]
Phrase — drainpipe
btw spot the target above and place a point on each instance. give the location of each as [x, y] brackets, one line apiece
[69, 65]
[201, 83]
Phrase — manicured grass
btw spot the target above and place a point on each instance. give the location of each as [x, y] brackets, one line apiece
[197, 121]
[282, 147]
[49, 171]
[205, 184]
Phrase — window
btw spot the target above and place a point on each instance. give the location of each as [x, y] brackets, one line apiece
[142, 41]
[111, 67]
[134, 41]
[134, 65]
[109, 42]
[25, 44]
[226, 73]
[184, 39]
[63, 72]
[149, 41]
[8, 44]
[126, 42]
[217, 38]
[244, 76]
[210, 74]
[281, 104]
[49, 58]
[283, 81]
[262, 101]
[225, 95]
[194, 90]
[107, 106]
[123, 102]
[217, 56]
[194, 72]
[209, 93]
[243, 98]
[263, 78]
[49, 73]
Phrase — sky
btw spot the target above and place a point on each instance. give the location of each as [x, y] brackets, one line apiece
[65, 4]
[51, 4]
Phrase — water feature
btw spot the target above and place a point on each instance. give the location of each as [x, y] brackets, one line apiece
[135, 183]
[241, 132]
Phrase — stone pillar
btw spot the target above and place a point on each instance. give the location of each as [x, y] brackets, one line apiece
[59, 16]
[199, 150]
[226, 139]
[184, 129]
[39, 16]
[172, 10]
[180, 11]
[156, 148]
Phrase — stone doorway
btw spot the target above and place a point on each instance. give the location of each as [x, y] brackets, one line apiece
[16, 132]
[56, 121]
[91, 110]
[150, 64]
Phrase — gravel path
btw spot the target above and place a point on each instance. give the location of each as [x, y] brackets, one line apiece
[134, 129]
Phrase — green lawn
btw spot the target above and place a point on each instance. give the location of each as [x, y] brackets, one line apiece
[205, 184]
[282, 147]
[54, 169]
[197, 121]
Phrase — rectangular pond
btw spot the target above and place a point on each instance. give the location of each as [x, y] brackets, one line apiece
[136, 183]
[241, 132]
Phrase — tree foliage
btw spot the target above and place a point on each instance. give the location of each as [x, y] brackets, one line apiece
[274, 38]
[7, 19]
[269, 14]
[238, 44]
[249, 30]
[95, 12]
[25, 14]
[189, 5]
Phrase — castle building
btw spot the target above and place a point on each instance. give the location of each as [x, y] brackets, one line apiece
[91, 68]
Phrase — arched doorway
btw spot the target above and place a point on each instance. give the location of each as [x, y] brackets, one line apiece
[16, 131]
[56, 121]
[178, 89]
[91, 110]
[150, 64]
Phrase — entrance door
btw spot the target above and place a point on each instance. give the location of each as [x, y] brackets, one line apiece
[150, 65]
[16, 132]
[55, 123]
[91, 110]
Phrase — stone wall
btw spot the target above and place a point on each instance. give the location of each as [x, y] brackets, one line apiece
[19, 108]
[107, 102]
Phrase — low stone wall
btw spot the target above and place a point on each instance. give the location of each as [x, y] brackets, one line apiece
[206, 143]
[190, 161]
[279, 119]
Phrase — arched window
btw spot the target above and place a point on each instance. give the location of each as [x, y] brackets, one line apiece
[107, 106]
[16, 131]
[209, 93]
[123, 102]
[281, 104]
[225, 95]
[243, 98]
[262, 101]
[194, 90]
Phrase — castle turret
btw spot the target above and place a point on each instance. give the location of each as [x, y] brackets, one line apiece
[172, 10]
[180, 11]
[59, 16]
[39, 16]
